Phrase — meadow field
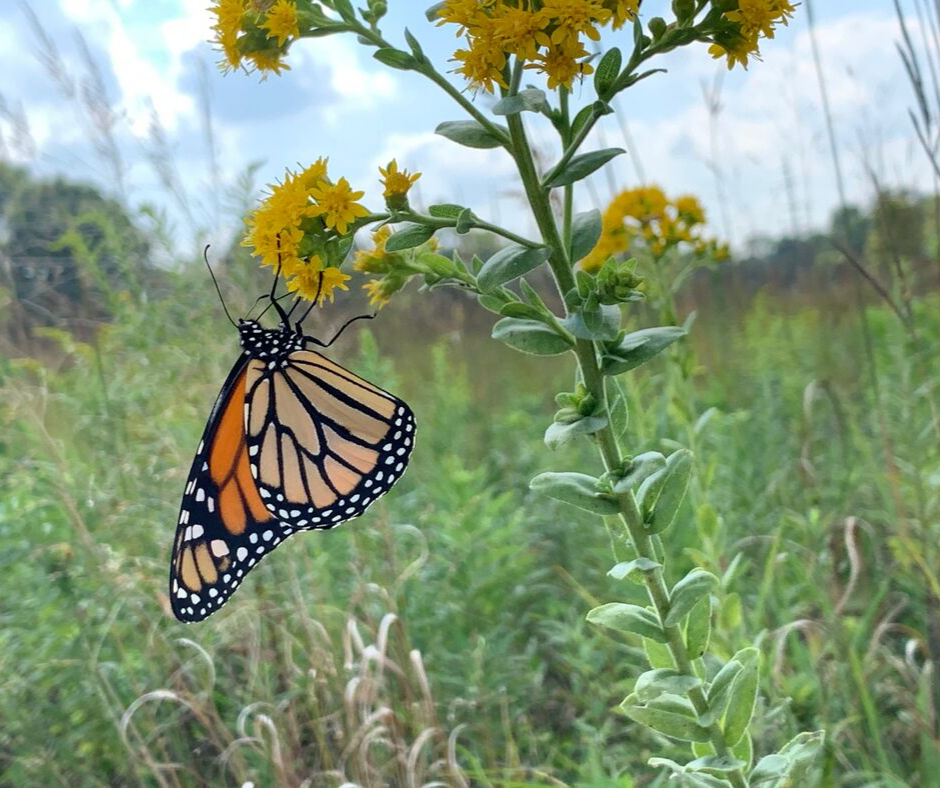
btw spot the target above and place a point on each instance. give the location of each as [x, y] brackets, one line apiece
[442, 638]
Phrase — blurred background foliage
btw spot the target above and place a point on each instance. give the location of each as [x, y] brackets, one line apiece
[442, 638]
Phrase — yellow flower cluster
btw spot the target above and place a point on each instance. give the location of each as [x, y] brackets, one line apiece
[751, 21]
[396, 185]
[256, 32]
[296, 227]
[549, 35]
[646, 217]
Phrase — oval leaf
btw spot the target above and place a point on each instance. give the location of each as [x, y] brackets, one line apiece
[559, 433]
[678, 473]
[578, 489]
[741, 703]
[528, 100]
[579, 167]
[699, 629]
[594, 321]
[446, 210]
[468, 133]
[653, 683]
[607, 71]
[628, 618]
[644, 465]
[410, 236]
[627, 568]
[530, 336]
[638, 348]
[668, 722]
[686, 594]
[395, 58]
[719, 690]
[585, 233]
[510, 263]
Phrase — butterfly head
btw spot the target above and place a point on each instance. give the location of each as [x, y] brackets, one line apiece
[267, 343]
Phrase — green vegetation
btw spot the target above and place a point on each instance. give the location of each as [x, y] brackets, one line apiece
[442, 637]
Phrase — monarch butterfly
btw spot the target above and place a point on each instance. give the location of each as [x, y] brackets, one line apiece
[294, 442]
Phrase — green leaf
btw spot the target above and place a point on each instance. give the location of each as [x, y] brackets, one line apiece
[523, 311]
[679, 466]
[433, 13]
[638, 348]
[396, 58]
[627, 568]
[653, 683]
[468, 133]
[618, 414]
[744, 750]
[578, 489]
[494, 303]
[795, 763]
[465, 222]
[528, 100]
[559, 433]
[628, 618]
[446, 210]
[687, 592]
[345, 10]
[530, 336]
[607, 71]
[510, 263]
[594, 321]
[649, 491]
[585, 233]
[658, 654]
[698, 630]
[724, 764]
[410, 236]
[719, 690]
[666, 719]
[415, 45]
[741, 702]
[644, 465]
[579, 167]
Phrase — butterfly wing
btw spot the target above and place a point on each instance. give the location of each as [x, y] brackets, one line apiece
[224, 528]
[323, 443]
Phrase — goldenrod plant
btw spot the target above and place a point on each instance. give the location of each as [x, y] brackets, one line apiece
[305, 230]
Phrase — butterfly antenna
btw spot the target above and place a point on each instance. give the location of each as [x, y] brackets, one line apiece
[205, 255]
[342, 328]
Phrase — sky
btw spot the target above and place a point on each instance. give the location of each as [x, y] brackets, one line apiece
[760, 164]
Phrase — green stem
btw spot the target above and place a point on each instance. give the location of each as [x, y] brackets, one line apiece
[427, 69]
[586, 353]
[569, 189]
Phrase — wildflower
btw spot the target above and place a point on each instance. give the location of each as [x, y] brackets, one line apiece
[647, 218]
[267, 61]
[228, 14]
[483, 63]
[622, 11]
[520, 32]
[377, 260]
[561, 65]
[337, 204]
[397, 184]
[314, 281]
[281, 22]
[571, 18]
[760, 16]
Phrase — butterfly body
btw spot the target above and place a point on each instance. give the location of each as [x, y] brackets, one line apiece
[294, 442]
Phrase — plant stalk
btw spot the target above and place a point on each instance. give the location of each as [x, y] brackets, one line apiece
[586, 353]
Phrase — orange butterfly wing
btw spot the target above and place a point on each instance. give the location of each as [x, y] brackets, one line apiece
[323, 443]
[224, 528]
